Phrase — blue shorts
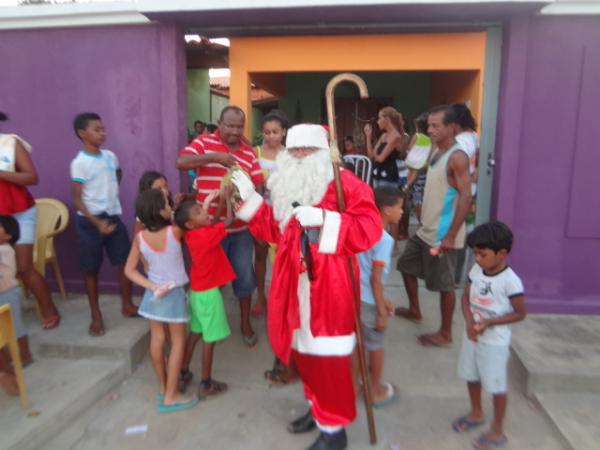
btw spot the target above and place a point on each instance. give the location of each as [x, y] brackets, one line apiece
[92, 243]
[27, 221]
[239, 248]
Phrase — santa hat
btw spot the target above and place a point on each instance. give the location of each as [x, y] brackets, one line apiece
[307, 135]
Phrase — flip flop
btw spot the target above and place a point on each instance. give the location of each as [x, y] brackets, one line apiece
[485, 443]
[177, 406]
[51, 322]
[463, 424]
[391, 396]
[250, 341]
[95, 333]
[426, 341]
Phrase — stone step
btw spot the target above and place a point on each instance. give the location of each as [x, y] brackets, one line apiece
[60, 390]
[575, 416]
[125, 340]
[558, 353]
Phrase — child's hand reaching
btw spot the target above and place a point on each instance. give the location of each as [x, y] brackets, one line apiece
[480, 326]
[389, 306]
[209, 198]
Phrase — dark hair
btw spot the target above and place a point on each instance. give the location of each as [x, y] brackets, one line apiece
[449, 113]
[147, 209]
[148, 178]
[182, 213]
[199, 122]
[349, 139]
[3, 117]
[494, 235]
[464, 118]
[237, 109]
[387, 196]
[11, 226]
[421, 123]
[82, 120]
[211, 128]
[276, 115]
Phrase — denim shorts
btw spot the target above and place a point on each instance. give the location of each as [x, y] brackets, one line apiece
[12, 297]
[92, 243]
[239, 248]
[27, 221]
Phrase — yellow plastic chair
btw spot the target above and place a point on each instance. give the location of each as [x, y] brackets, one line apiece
[53, 218]
[9, 337]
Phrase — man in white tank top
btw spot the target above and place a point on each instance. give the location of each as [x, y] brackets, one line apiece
[430, 254]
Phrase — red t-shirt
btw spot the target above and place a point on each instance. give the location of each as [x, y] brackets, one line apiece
[210, 266]
[208, 176]
[14, 198]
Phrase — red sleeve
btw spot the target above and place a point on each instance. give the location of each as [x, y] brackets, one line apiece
[205, 237]
[196, 147]
[264, 225]
[256, 174]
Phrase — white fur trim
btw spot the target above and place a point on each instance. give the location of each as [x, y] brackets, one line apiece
[249, 207]
[330, 232]
[304, 341]
[307, 135]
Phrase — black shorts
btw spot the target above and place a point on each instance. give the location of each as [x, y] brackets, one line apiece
[92, 243]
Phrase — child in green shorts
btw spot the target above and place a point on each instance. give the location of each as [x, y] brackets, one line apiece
[210, 269]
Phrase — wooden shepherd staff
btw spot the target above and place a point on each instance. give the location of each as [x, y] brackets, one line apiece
[335, 156]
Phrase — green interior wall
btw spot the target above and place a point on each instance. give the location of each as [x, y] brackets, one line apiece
[198, 96]
[305, 92]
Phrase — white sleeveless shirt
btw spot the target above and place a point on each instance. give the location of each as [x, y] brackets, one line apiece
[166, 265]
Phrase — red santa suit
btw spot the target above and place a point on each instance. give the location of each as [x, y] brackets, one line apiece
[313, 322]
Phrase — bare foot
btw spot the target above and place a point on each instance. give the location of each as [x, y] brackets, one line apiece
[407, 314]
[96, 328]
[434, 340]
[9, 382]
[130, 311]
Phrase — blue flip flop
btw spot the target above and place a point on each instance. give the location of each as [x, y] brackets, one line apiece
[462, 424]
[391, 396]
[485, 443]
[162, 408]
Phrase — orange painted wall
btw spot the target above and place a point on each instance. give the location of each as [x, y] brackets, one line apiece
[457, 86]
[399, 52]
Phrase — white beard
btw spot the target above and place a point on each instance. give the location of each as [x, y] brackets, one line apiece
[302, 180]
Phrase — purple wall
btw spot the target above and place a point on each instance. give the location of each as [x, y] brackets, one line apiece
[547, 185]
[133, 76]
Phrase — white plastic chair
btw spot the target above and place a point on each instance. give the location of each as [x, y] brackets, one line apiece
[362, 166]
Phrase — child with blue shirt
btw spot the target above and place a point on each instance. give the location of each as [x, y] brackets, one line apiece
[95, 176]
[375, 308]
[492, 300]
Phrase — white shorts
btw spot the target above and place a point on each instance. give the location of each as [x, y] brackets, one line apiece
[27, 221]
[484, 363]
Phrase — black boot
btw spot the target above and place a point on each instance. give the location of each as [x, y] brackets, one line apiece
[333, 441]
[302, 424]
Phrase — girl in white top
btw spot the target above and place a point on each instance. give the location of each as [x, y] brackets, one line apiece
[274, 129]
[468, 139]
[164, 301]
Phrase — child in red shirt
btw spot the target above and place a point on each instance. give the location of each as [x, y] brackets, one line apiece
[210, 270]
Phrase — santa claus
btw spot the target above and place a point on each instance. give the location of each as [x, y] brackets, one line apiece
[311, 307]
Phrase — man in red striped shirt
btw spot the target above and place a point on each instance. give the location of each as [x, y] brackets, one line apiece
[211, 156]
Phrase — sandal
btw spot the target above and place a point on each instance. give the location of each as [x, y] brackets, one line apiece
[177, 406]
[250, 341]
[211, 387]
[485, 443]
[51, 322]
[391, 396]
[463, 424]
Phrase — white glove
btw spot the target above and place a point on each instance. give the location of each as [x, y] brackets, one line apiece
[243, 184]
[309, 216]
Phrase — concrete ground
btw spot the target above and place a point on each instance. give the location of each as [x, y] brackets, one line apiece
[90, 392]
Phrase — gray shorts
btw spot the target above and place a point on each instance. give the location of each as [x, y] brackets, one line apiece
[437, 271]
[368, 317]
[484, 363]
[12, 297]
